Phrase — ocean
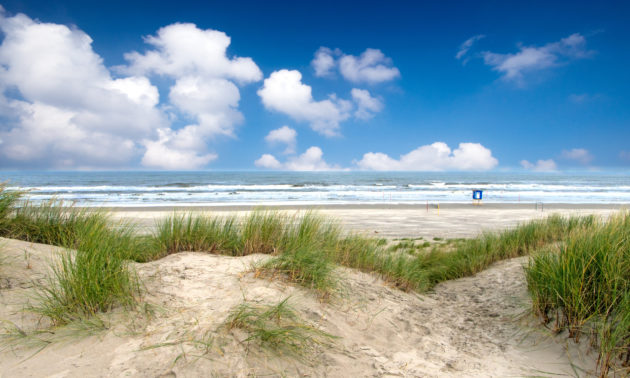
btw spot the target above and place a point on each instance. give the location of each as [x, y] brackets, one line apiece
[142, 188]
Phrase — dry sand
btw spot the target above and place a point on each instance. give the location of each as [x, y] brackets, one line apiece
[476, 326]
[397, 221]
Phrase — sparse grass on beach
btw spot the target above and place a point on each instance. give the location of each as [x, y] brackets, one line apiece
[8, 200]
[277, 327]
[92, 278]
[92, 275]
[583, 286]
[305, 252]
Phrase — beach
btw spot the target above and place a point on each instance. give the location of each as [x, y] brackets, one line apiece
[392, 221]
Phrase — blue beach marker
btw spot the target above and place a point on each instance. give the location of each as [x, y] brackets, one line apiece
[477, 196]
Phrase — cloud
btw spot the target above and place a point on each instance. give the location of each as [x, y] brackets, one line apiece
[324, 62]
[540, 166]
[580, 155]
[464, 47]
[366, 104]
[212, 102]
[268, 161]
[284, 135]
[60, 104]
[434, 157]
[204, 91]
[284, 92]
[371, 67]
[310, 160]
[182, 49]
[531, 59]
[62, 108]
[177, 150]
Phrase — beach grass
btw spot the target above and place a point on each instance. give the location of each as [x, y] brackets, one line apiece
[304, 253]
[51, 222]
[8, 201]
[277, 327]
[582, 285]
[306, 248]
[92, 275]
[188, 232]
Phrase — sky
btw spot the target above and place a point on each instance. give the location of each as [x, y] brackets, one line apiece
[326, 85]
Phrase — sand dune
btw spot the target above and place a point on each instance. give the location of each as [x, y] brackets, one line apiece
[476, 326]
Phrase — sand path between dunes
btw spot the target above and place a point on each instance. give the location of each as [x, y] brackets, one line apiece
[468, 327]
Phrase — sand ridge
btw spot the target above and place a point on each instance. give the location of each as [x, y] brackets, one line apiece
[468, 327]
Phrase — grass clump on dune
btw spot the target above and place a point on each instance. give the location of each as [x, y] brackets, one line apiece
[260, 232]
[92, 278]
[277, 327]
[305, 252]
[302, 246]
[583, 286]
[188, 232]
[92, 275]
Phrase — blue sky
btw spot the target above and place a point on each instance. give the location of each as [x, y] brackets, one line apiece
[539, 86]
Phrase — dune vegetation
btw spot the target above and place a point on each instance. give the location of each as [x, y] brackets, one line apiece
[578, 275]
[582, 285]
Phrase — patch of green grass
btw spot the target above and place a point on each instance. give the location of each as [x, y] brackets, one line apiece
[93, 278]
[583, 285]
[8, 201]
[263, 232]
[51, 223]
[422, 271]
[92, 275]
[277, 327]
[190, 232]
[305, 253]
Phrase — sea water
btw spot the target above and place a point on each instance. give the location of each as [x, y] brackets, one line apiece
[142, 188]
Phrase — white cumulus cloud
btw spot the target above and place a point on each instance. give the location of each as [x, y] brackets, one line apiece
[372, 66]
[284, 92]
[434, 157]
[204, 91]
[284, 135]
[367, 105]
[182, 49]
[311, 160]
[63, 108]
[580, 155]
[324, 61]
[540, 166]
[177, 150]
[513, 66]
[70, 111]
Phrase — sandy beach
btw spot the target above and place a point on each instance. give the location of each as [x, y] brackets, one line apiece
[475, 326]
[395, 221]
